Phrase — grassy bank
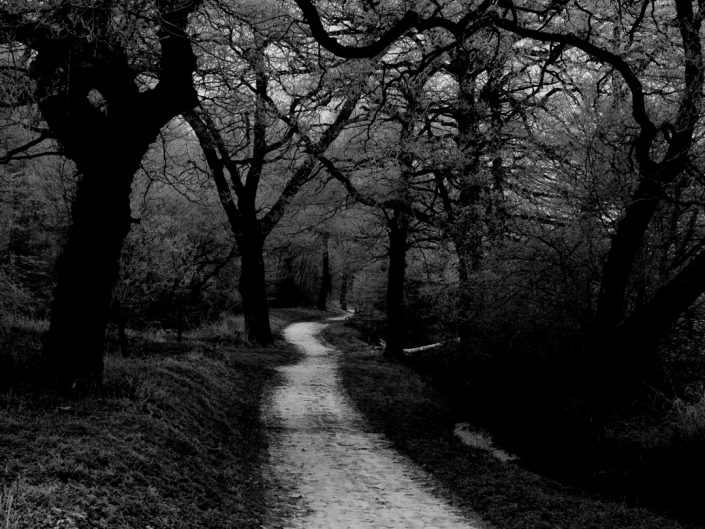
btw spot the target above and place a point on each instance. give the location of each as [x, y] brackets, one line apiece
[419, 421]
[173, 440]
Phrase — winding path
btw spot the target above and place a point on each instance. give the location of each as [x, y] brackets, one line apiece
[329, 470]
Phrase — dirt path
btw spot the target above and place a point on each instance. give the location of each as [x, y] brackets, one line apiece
[328, 469]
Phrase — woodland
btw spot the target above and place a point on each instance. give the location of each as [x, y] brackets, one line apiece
[519, 182]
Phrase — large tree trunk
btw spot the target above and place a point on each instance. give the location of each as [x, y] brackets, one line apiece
[104, 121]
[626, 243]
[398, 228]
[469, 225]
[627, 343]
[627, 357]
[253, 289]
[86, 273]
[623, 342]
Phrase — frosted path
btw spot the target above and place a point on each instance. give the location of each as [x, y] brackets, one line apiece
[337, 474]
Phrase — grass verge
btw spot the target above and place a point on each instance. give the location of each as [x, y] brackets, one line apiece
[173, 440]
[419, 421]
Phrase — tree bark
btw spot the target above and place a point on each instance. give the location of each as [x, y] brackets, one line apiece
[625, 246]
[253, 289]
[635, 340]
[398, 229]
[469, 217]
[86, 272]
[326, 281]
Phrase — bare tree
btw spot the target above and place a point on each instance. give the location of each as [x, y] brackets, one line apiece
[239, 180]
[625, 341]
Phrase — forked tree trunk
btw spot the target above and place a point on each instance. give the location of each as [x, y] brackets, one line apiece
[253, 290]
[628, 356]
[105, 122]
[625, 245]
[623, 346]
[398, 228]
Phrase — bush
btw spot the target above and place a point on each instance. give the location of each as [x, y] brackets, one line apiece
[370, 324]
[20, 351]
[227, 329]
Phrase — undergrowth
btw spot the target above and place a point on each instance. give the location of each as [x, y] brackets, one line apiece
[173, 439]
[419, 420]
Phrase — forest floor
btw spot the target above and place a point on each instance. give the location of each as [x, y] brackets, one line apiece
[174, 440]
[419, 423]
[204, 434]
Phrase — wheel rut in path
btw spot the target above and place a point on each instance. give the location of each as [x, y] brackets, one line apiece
[329, 470]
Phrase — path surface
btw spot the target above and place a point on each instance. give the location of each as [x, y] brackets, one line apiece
[330, 471]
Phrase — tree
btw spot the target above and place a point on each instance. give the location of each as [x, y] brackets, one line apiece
[272, 57]
[468, 202]
[104, 113]
[625, 344]
[625, 339]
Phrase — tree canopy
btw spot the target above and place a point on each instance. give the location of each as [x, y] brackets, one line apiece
[551, 147]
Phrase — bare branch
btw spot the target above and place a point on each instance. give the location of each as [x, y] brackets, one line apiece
[303, 173]
[618, 63]
[13, 153]
[410, 20]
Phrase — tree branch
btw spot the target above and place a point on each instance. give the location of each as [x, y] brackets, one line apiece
[174, 93]
[369, 201]
[410, 20]
[302, 174]
[12, 153]
[206, 138]
[648, 129]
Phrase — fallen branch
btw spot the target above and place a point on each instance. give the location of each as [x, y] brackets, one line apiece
[413, 350]
[409, 352]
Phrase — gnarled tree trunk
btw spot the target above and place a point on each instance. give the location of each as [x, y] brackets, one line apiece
[86, 273]
[93, 106]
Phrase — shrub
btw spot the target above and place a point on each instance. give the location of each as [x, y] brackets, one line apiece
[227, 329]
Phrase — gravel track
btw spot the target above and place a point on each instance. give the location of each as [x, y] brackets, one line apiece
[327, 470]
